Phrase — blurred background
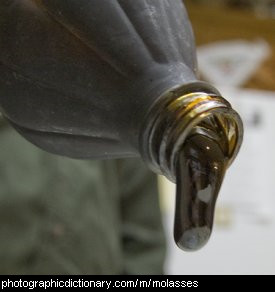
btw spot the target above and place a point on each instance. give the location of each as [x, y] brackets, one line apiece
[236, 52]
[64, 216]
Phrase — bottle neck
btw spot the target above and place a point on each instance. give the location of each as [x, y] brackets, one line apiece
[182, 112]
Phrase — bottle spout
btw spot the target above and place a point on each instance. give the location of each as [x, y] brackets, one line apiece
[192, 138]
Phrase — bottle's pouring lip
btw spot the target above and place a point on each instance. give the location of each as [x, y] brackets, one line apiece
[173, 117]
[229, 122]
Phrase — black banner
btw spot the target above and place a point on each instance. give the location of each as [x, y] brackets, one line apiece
[113, 282]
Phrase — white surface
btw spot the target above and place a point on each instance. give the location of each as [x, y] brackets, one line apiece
[244, 241]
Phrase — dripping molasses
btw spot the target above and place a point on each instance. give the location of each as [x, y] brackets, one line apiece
[199, 175]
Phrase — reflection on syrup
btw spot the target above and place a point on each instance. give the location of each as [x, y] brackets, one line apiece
[200, 172]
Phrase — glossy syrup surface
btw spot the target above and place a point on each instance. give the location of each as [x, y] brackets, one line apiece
[200, 171]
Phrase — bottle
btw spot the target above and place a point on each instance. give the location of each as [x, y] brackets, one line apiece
[110, 79]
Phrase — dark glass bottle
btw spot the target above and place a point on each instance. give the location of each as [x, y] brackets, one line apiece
[109, 79]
